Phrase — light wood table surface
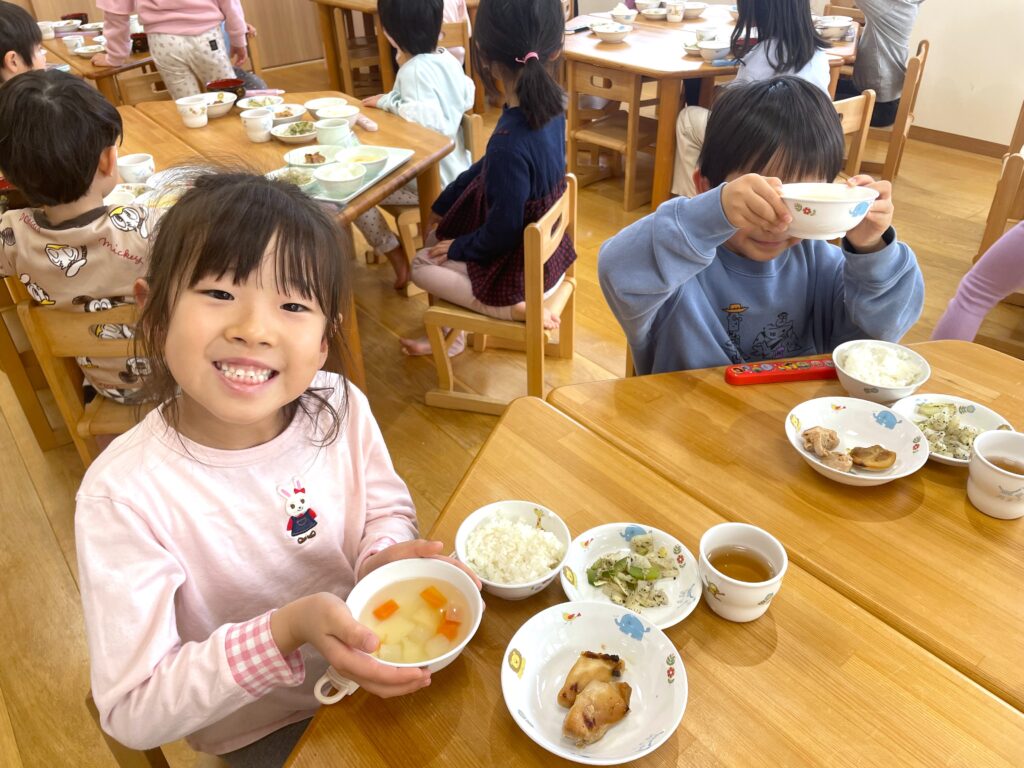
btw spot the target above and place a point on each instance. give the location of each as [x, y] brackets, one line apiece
[654, 50]
[143, 135]
[104, 77]
[913, 552]
[816, 681]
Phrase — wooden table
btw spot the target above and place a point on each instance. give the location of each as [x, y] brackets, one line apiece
[913, 552]
[654, 50]
[104, 77]
[143, 135]
[817, 681]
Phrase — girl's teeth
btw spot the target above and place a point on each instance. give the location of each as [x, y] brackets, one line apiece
[247, 375]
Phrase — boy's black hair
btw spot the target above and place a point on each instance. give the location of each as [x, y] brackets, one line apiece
[18, 32]
[53, 128]
[784, 122]
[524, 38]
[414, 25]
[786, 22]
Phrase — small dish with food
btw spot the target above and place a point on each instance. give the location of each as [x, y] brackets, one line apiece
[88, 51]
[124, 194]
[259, 102]
[623, 14]
[655, 14]
[339, 180]
[594, 683]
[287, 113]
[344, 112]
[65, 25]
[314, 106]
[856, 442]
[645, 5]
[313, 156]
[611, 32]
[950, 424]
[301, 177]
[693, 10]
[516, 548]
[880, 371]
[219, 103]
[833, 27]
[92, 26]
[372, 158]
[298, 132]
[636, 566]
[423, 611]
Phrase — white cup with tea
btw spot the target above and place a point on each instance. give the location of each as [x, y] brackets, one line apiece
[333, 131]
[192, 110]
[73, 41]
[136, 168]
[741, 568]
[257, 123]
[995, 480]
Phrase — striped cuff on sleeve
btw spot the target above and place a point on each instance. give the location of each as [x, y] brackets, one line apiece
[256, 662]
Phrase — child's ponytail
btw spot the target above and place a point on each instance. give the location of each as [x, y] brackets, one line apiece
[524, 38]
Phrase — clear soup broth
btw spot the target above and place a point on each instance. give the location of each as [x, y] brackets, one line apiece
[417, 620]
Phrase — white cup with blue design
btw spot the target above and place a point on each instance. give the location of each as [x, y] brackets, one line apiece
[741, 568]
[995, 480]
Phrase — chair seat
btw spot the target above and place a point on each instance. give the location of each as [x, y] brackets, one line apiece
[610, 132]
[105, 417]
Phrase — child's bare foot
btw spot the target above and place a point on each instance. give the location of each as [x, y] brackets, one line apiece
[401, 266]
[421, 346]
[550, 319]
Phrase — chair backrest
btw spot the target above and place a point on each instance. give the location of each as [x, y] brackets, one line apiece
[58, 337]
[567, 7]
[473, 135]
[842, 9]
[905, 114]
[455, 34]
[1007, 203]
[855, 114]
[541, 240]
[1017, 140]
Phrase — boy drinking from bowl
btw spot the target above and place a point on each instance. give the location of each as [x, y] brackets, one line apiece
[716, 279]
[59, 148]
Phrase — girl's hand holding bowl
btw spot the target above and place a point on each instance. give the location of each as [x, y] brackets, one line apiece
[416, 548]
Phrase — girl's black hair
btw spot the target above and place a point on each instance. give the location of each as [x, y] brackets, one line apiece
[523, 39]
[18, 32]
[53, 128]
[784, 122]
[222, 226]
[787, 23]
[414, 25]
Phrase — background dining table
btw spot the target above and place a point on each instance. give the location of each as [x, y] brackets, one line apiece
[914, 552]
[105, 78]
[816, 681]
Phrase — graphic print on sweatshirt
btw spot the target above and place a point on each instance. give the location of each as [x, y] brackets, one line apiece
[301, 519]
[129, 218]
[776, 340]
[68, 258]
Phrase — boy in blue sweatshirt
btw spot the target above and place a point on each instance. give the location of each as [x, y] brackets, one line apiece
[715, 280]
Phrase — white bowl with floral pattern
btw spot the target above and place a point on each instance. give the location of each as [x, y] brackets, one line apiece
[544, 649]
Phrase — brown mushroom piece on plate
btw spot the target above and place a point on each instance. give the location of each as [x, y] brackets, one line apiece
[873, 457]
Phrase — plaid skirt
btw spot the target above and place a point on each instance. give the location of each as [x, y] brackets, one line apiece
[501, 281]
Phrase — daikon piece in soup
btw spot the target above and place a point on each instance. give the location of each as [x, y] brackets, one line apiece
[417, 620]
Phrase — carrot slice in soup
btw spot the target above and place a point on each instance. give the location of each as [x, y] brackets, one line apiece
[433, 597]
[384, 610]
[448, 628]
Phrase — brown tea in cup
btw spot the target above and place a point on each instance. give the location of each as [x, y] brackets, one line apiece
[741, 563]
[1014, 466]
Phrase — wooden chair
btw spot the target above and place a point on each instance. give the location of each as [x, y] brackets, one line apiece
[19, 362]
[144, 84]
[855, 114]
[897, 133]
[1006, 210]
[540, 240]
[839, 9]
[58, 337]
[1017, 140]
[455, 34]
[623, 133]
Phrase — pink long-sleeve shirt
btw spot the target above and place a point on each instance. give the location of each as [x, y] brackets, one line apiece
[184, 551]
[997, 274]
[168, 17]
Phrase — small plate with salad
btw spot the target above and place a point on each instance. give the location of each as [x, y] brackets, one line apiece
[636, 566]
[950, 424]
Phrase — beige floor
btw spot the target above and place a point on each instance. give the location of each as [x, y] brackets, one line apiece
[941, 202]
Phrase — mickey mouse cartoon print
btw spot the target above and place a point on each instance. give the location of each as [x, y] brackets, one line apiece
[301, 519]
[69, 258]
[128, 218]
[36, 292]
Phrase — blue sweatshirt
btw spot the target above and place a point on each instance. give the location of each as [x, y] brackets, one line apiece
[685, 301]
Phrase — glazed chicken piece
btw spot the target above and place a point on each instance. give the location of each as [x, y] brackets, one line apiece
[820, 440]
[873, 457]
[836, 460]
[598, 707]
[588, 667]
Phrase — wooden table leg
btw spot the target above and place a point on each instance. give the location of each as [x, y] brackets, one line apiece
[329, 37]
[387, 71]
[108, 87]
[428, 187]
[665, 152]
[707, 92]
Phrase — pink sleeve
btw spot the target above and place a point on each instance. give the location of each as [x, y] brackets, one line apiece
[997, 274]
[235, 18]
[255, 660]
[150, 685]
[115, 29]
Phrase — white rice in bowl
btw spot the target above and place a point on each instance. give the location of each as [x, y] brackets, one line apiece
[881, 366]
[512, 552]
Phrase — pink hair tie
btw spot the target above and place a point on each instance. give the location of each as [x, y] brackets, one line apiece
[527, 57]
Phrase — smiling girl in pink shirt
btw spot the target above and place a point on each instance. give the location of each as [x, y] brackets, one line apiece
[218, 539]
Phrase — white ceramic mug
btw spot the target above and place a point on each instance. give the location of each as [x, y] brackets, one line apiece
[257, 123]
[73, 41]
[46, 30]
[136, 168]
[193, 110]
[995, 491]
[706, 33]
[335, 131]
[730, 598]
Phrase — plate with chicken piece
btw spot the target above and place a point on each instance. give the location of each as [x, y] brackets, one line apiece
[856, 442]
[950, 424]
[635, 566]
[594, 683]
